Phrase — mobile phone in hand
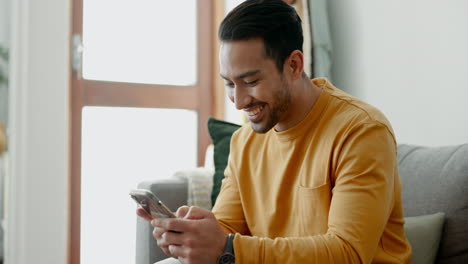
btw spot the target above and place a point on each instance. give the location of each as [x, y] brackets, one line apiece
[152, 205]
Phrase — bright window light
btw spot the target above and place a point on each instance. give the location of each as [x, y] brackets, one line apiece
[120, 148]
[140, 41]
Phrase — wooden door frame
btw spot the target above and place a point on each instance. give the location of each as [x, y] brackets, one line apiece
[198, 97]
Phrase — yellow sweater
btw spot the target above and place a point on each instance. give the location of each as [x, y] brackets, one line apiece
[325, 191]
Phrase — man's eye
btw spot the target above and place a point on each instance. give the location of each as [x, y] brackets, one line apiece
[251, 83]
[230, 85]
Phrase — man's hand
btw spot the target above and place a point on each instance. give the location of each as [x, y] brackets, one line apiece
[198, 237]
[157, 232]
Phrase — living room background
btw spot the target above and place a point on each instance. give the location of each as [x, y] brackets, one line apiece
[424, 107]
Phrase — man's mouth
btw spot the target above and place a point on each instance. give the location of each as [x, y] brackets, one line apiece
[254, 113]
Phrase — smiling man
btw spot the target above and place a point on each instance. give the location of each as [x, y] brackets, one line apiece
[255, 85]
[312, 178]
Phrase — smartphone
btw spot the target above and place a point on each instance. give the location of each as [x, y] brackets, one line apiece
[148, 201]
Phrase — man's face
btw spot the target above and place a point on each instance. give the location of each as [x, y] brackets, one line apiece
[254, 84]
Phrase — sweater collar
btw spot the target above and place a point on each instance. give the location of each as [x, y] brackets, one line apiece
[312, 117]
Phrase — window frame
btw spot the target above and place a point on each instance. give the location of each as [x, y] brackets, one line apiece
[200, 97]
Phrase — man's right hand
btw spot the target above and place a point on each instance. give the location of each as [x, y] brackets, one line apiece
[158, 232]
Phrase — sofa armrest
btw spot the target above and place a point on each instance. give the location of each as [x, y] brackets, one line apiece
[173, 192]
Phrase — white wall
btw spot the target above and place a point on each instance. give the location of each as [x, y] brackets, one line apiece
[37, 208]
[408, 58]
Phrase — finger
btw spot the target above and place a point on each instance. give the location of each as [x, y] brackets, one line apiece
[178, 251]
[172, 238]
[157, 232]
[161, 239]
[174, 224]
[197, 213]
[166, 250]
[182, 211]
[143, 214]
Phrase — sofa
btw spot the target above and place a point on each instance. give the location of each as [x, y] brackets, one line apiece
[435, 201]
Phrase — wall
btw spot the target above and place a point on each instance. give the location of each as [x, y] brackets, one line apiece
[408, 58]
[37, 206]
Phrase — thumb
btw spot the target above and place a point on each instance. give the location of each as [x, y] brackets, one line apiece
[182, 211]
[197, 213]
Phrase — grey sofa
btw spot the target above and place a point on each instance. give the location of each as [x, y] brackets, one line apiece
[434, 179]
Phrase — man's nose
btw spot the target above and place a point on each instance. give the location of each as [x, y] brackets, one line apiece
[241, 98]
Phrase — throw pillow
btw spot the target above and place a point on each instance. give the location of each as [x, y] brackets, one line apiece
[423, 233]
[220, 133]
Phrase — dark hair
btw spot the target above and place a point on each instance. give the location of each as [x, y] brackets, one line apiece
[274, 21]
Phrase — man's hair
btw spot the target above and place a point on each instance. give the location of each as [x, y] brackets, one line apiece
[274, 21]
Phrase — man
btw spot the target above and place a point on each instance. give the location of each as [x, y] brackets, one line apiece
[312, 179]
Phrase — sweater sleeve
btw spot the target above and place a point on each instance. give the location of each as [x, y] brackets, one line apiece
[362, 182]
[228, 207]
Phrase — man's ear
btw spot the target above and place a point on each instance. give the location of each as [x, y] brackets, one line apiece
[294, 65]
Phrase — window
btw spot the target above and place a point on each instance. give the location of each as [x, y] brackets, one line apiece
[141, 91]
[155, 44]
[120, 148]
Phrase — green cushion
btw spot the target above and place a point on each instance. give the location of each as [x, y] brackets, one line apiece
[423, 233]
[220, 133]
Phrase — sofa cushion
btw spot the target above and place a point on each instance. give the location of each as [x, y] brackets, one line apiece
[435, 179]
[423, 233]
[220, 133]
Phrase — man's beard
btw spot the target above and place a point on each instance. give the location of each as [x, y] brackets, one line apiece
[282, 102]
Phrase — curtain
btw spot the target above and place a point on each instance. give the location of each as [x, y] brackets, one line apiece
[320, 37]
[303, 12]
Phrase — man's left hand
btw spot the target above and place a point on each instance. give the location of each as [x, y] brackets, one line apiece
[199, 238]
